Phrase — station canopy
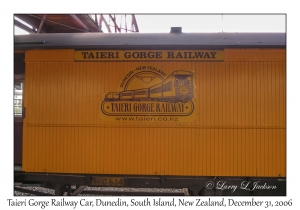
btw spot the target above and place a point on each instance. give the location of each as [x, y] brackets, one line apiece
[76, 23]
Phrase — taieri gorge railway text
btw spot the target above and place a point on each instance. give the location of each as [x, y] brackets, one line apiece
[147, 107]
[160, 55]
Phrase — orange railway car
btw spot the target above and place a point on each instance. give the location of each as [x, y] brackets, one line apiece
[88, 117]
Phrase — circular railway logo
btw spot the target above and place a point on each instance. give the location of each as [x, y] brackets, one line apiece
[149, 91]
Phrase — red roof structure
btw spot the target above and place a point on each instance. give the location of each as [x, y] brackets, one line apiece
[75, 23]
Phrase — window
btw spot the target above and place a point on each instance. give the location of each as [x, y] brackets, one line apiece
[18, 99]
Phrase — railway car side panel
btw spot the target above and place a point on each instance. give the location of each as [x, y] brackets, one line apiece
[239, 127]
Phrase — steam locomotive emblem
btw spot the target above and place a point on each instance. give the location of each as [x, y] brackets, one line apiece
[177, 87]
[147, 93]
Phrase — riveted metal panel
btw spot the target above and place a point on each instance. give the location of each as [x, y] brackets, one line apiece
[239, 128]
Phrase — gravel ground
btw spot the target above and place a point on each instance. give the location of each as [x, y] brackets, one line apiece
[119, 189]
[38, 189]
